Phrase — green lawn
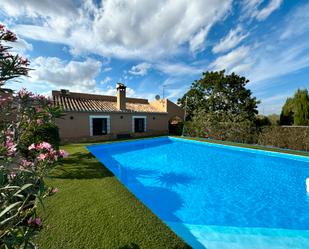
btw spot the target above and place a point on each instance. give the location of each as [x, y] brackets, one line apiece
[94, 210]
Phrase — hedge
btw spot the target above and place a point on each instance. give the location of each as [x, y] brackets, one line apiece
[289, 137]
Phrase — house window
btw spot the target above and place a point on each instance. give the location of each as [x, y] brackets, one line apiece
[99, 125]
[139, 123]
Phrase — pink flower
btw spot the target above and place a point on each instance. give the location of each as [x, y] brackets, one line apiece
[55, 190]
[39, 109]
[43, 145]
[11, 147]
[46, 145]
[53, 155]
[39, 121]
[29, 221]
[63, 153]
[24, 61]
[31, 147]
[25, 164]
[39, 97]
[9, 132]
[42, 157]
[22, 92]
[2, 99]
[38, 221]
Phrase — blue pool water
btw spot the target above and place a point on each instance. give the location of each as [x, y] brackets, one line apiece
[216, 196]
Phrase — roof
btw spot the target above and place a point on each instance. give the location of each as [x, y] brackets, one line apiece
[82, 102]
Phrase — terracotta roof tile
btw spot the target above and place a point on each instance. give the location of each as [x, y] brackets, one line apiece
[100, 103]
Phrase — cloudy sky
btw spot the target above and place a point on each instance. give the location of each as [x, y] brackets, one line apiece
[90, 45]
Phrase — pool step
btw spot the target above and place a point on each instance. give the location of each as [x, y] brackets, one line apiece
[218, 237]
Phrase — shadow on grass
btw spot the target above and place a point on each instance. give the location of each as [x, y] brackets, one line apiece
[135, 246]
[80, 165]
[130, 246]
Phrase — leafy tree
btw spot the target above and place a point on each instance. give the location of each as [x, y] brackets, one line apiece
[296, 109]
[274, 119]
[301, 105]
[218, 93]
[287, 113]
[262, 121]
[221, 127]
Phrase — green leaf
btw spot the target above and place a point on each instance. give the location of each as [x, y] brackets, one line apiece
[23, 188]
[9, 208]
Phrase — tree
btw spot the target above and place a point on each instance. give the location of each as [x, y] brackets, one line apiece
[262, 121]
[301, 105]
[274, 119]
[218, 93]
[296, 109]
[11, 66]
[287, 113]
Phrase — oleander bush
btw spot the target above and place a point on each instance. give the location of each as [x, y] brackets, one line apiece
[22, 185]
[47, 132]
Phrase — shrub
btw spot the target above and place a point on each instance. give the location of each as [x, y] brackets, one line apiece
[48, 132]
[176, 129]
[296, 138]
[227, 127]
[222, 127]
[22, 187]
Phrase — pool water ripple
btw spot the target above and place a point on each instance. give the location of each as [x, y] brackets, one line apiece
[216, 196]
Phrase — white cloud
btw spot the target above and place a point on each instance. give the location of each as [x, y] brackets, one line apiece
[251, 8]
[20, 46]
[112, 91]
[197, 43]
[140, 69]
[34, 8]
[106, 80]
[238, 61]
[273, 104]
[280, 60]
[270, 8]
[297, 23]
[233, 38]
[107, 69]
[120, 28]
[74, 75]
[178, 69]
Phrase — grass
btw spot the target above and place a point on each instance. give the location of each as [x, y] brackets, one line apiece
[94, 210]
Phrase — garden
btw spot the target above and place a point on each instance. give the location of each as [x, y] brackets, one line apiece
[60, 196]
[51, 201]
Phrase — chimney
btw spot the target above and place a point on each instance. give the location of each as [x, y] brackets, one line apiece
[121, 96]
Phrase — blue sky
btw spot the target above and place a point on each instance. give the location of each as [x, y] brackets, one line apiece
[88, 45]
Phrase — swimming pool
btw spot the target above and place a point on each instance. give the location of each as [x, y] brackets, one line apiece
[216, 196]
